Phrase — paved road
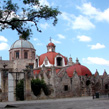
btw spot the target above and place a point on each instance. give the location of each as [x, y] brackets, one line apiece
[67, 103]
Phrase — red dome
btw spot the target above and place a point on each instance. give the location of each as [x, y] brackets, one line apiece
[51, 57]
[51, 44]
[80, 69]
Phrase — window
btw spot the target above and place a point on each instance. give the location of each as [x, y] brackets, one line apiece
[25, 55]
[65, 87]
[31, 66]
[46, 62]
[106, 86]
[88, 82]
[33, 55]
[36, 62]
[59, 61]
[17, 54]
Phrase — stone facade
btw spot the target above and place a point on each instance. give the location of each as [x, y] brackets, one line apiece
[64, 77]
[65, 86]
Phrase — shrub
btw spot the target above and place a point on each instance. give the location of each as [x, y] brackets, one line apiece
[37, 85]
[20, 90]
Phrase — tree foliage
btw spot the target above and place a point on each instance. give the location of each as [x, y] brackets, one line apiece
[37, 85]
[16, 15]
[20, 90]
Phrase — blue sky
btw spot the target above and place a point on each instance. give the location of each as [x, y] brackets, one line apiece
[82, 31]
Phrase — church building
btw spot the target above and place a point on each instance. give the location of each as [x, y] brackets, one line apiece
[64, 77]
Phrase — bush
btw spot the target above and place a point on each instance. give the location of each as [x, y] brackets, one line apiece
[20, 90]
[37, 85]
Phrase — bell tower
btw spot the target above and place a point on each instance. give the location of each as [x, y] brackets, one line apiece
[51, 47]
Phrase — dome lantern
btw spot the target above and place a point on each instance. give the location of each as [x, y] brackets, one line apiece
[51, 47]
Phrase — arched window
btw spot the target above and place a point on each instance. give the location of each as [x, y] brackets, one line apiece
[17, 54]
[25, 55]
[59, 61]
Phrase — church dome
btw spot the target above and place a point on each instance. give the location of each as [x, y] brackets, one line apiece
[22, 44]
[51, 44]
[80, 69]
[51, 57]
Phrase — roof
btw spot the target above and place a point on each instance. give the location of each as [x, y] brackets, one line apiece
[51, 57]
[80, 69]
[22, 44]
[36, 71]
[51, 44]
[57, 71]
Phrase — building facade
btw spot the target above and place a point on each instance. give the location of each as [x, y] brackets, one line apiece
[64, 77]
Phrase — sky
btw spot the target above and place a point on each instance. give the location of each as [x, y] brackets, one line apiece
[82, 32]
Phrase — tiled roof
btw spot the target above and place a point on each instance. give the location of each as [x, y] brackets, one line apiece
[51, 44]
[51, 57]
[80, 69]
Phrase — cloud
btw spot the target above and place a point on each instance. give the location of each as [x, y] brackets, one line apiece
[44, 26]
[35, 39]
[96, 60]
[3, 39]
[55, 41]
[10, 16]
[79, 22]
[83, 23]
[97, 46]
[94, 13]
[44, 2]
[39, 44]
[67, 16]
[4, 46]
[84, 38]
[61, 36]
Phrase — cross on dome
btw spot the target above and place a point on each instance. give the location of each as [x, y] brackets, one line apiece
[50, 39]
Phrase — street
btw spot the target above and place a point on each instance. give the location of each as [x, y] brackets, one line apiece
[66, 103]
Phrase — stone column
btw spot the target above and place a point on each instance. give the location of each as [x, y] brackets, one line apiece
[27, 85]
[4, 85]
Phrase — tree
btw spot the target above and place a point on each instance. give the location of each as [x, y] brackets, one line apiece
[20, 90]
[37, 85]
[18, 17]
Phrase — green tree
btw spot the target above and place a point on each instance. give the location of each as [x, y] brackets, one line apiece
[17, 16]
[37, 85]
[20, 90]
